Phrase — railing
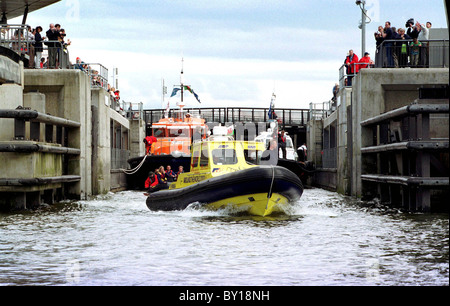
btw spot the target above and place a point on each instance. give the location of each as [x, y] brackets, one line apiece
[28, 139]
[134, 111]
[97, 73]
[17, 38]
[400, 54]
[407, 159]
[346, 77]
[298, 117]
[321, 110]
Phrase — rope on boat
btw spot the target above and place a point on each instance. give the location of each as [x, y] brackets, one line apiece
[133, 171]
[269, 195]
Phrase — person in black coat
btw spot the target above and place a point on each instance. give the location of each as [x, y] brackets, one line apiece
[38, 47]
[52, 37]
[413, 30]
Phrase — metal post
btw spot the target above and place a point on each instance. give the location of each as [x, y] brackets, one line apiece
[363, 28]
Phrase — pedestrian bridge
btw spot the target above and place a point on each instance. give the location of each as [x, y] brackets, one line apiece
[287, 118]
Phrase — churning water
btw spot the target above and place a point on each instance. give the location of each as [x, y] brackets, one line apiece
[326, 239]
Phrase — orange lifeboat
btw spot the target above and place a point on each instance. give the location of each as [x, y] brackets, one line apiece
[175, 136]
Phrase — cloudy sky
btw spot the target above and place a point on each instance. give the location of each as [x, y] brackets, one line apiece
[236, 52]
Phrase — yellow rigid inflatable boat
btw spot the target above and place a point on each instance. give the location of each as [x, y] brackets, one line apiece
[224, 173]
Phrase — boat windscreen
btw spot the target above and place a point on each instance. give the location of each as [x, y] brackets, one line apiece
[224, 157]
[179, 132]
[159, 132]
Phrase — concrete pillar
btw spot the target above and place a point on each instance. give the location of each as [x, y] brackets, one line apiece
[35, 101]
[11, 96]
[137, 133]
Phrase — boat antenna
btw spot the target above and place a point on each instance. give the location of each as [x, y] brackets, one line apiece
[182, 88]
[182, 79]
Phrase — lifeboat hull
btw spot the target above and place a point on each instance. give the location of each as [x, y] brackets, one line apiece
[258, 190]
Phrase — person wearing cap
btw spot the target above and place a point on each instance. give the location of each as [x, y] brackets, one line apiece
[78, 64]
[365, 61]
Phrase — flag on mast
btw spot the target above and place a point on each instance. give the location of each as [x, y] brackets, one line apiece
[272, 107]
[188, 88]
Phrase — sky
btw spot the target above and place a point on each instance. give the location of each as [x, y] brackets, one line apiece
[236, 52]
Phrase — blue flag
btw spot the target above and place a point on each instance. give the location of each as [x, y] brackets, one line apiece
[175, 91]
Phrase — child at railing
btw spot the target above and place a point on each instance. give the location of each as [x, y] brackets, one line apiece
[415, 52]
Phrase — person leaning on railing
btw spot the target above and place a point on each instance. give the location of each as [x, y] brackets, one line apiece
[365, 61]
[352, 68]
[402, 48]
[52, 36]
[415, 47]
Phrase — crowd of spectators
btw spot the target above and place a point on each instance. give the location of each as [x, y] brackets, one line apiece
[57, 45]
[49, 50]
[395, 48]
[403, 47]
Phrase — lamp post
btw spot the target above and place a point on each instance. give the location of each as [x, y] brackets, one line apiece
[362, 6]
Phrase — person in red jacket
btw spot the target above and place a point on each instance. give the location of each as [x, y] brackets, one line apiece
[149, 140]
[151, 182]
[365, 61]
[352, 69]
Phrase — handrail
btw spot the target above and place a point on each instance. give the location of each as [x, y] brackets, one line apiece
[39, 117]
[409, 109]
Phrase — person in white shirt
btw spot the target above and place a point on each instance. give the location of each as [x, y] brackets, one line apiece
[425, 35]
[302, 152]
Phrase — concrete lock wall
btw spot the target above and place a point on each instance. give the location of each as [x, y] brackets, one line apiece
[67, 95]
[11, 96]
[10, 71]
[101, 142]
[376, 91]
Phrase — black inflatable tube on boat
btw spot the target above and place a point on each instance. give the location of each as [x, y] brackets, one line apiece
[245, 182]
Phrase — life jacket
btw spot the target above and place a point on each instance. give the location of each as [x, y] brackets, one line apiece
[161, 178]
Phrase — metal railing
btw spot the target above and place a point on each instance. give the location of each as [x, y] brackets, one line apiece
[321, 110]
[289, 117]
[401, 54]
[134, 111]
[16, 37]
[346, 77]
[98, 74]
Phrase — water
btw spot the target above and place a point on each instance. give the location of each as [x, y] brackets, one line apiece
[326, 239]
